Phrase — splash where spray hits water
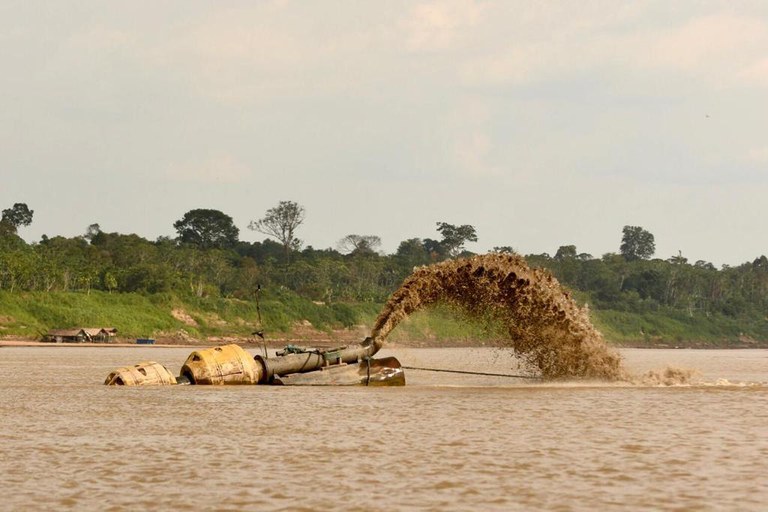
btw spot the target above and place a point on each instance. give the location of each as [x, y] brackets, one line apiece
[546, 327]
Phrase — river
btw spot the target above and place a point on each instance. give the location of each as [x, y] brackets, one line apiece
[443, 442]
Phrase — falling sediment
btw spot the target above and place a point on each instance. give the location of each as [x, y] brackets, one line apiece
[545, 326]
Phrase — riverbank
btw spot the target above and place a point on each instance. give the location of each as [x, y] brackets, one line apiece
[175, 321]
[740, 343]
[326, 343]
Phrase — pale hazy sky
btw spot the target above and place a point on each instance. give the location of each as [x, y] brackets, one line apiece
[540, 123]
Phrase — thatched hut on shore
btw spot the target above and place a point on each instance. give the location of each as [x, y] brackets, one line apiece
[80, 335]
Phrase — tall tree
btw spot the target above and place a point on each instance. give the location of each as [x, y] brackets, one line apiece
[207, 228]
[637, 243]
[359, 244]
[435, 249]
[679, 259]
[92, 232]
[281, 223]
[411, 253]
[566, 252]
[454, 237]
[13, 218]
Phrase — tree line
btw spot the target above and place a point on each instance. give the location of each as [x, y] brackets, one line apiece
[207, 259]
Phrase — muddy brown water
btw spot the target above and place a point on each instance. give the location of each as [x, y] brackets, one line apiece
[443, 442]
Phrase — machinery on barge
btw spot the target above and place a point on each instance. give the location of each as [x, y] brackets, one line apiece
[293, 366]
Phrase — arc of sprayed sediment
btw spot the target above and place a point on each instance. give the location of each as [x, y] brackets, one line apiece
[546, 327]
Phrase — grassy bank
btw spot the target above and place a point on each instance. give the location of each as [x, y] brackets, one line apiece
[288, 317]
[677, 329]
[284, 316]
[31, 314]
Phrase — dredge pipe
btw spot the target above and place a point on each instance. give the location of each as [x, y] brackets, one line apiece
[311, 361]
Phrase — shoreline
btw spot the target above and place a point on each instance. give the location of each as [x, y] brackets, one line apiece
[278, 344]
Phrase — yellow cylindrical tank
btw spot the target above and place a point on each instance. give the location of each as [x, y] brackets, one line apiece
[228, 364]
[147, 373]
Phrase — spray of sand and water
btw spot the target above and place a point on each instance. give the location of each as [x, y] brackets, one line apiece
[544, 325]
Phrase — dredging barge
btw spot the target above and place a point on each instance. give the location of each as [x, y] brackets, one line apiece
[293, 366]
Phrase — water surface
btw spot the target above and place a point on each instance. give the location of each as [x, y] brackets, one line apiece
[444, 442]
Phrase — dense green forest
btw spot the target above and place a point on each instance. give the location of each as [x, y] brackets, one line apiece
[632, 296]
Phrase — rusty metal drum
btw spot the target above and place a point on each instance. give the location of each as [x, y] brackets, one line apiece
[227, 364]
[147, 373]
